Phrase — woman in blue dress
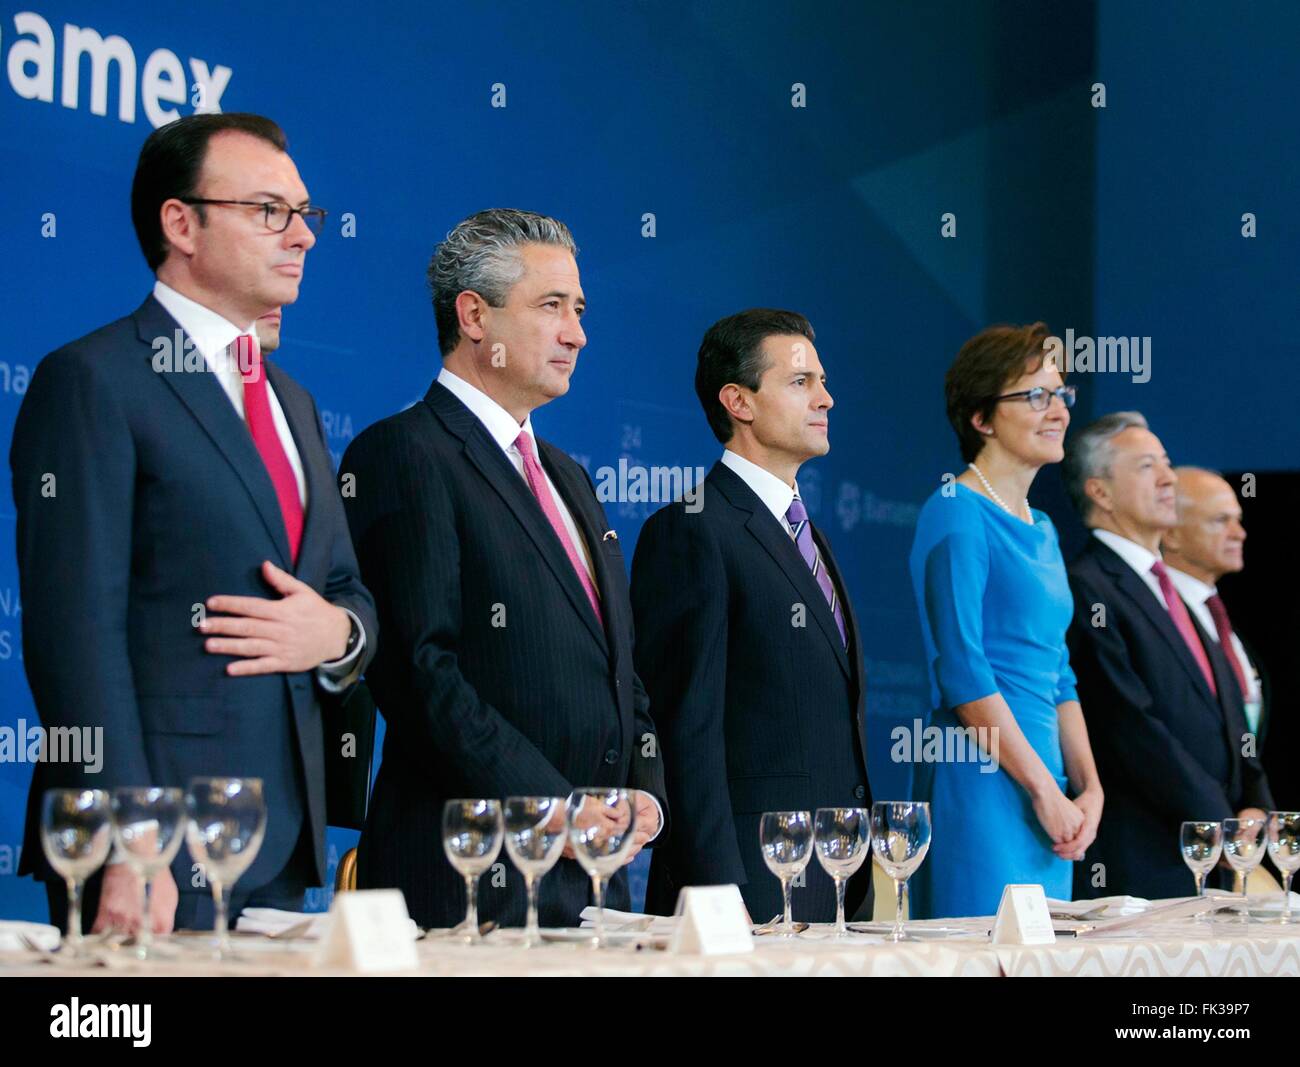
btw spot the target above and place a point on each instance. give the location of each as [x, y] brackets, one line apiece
[991, 588]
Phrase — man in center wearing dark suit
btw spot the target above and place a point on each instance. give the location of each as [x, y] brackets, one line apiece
[1163, 706]
[745, 637]
[506, 667]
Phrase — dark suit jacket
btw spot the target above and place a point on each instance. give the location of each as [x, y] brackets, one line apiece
[495, 678]
[756, 711]
[159, 500]
[1167, 750]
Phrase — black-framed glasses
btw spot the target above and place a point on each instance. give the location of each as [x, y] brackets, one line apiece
[1039, 398]
[278, 213]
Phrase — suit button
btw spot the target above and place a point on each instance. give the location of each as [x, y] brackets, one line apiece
[860, 792]
[611, 757]
[618, 683]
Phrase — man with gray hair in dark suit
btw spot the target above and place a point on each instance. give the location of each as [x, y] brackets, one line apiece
[1164, 710]
[506, 668]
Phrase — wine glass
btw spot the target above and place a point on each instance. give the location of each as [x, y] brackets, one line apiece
[227, 822]
[76, 834]
[535, 834]
[602, 827]
[471, 838]
[1284, 847]
[1202, 845]
[148, 824]
[900, 838]
[843, 842]
[786, 839]
[1244, 845]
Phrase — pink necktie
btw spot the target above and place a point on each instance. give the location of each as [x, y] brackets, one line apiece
[537, 483]
[261, 424]
[1219, 612]
[1182, 620]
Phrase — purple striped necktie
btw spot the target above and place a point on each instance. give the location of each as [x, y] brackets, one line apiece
[797, 517]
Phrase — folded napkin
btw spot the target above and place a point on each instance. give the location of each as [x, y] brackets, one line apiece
[1113, 907]
[42, 933]
[616, 920]
[1272, 904]
[274, 921]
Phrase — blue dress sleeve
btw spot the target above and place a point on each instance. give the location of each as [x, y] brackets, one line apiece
[956, 574]
[1065, 681]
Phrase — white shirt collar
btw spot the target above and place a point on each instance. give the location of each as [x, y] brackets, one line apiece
[773, 492]
[498, 422]
[210, 332]
[1193, 590]
[1137, 557]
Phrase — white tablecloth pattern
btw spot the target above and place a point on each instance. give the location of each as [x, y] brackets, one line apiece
[1181, 949]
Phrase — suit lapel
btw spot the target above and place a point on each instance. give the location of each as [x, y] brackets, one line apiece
[1126, 578]
[778, 544]
[207, 401]
[590, 521]
[513, 490]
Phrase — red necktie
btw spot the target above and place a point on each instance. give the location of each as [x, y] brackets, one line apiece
[261, 424]
[1219, 613]
[537, 483]
[1182, 620]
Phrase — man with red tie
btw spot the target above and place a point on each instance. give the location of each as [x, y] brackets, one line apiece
[1208, 543]
[1164, 707]
[507, 661]
[188, 583]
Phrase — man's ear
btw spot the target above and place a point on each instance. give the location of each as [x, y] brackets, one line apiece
[736, 403]
[1097, 491]
[471, 311]
[178, 224]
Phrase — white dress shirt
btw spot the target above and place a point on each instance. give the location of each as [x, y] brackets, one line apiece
[212, 335]
[504, 430]
[1139, 558]
[774, 493]
[1195, 592]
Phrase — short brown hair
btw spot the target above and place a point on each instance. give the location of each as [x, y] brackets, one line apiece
[986, 364]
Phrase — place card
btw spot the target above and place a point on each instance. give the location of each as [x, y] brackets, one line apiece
[1023, 918]
[369, 930]
[712, 921]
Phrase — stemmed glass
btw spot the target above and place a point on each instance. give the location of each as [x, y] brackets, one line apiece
[900, 838]
[1202, 845]
[843, 841]
[535, 834]
[76, 834]
[786, 838]
[1284, 847]
[225, 830]
[602, 827]
[1244, 846]
[471, 838]
[148, 823]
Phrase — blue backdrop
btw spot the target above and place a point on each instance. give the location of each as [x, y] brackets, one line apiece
[708, 157]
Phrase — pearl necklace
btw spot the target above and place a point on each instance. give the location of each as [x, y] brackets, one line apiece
[994, 494]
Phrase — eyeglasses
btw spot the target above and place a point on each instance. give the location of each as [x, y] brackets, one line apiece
[1039, 398]
[278, 214]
